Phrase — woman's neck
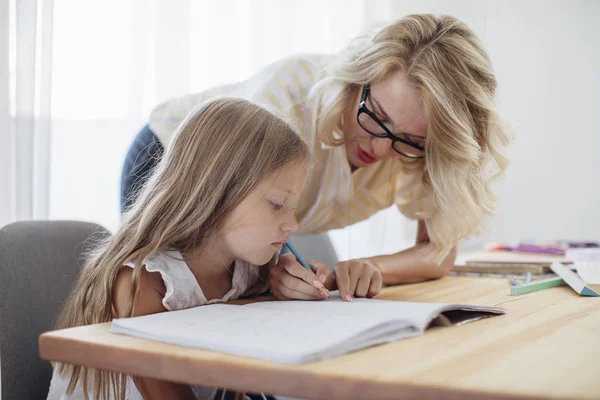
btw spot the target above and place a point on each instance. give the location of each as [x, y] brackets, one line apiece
[212, 267]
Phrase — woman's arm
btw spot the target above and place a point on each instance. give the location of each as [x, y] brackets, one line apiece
[413, 265]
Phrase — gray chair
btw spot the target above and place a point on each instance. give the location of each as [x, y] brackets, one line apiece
[39, 262]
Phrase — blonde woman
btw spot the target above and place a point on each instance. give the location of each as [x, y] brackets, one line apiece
[405, 117]
[207, 226]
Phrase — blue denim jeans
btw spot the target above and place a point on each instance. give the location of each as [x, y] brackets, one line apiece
[143, 155]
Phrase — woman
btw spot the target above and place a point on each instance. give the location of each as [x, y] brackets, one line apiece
[405, 117]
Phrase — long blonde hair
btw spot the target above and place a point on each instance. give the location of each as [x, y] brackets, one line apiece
[219, 154]
[465, 144]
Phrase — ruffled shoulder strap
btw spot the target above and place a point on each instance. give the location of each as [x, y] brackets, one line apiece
[183, 290]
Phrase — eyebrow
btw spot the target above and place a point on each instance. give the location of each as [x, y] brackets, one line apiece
[387, 117]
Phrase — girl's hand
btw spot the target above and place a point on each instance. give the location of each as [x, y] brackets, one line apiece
[360, 278]
[291, 281]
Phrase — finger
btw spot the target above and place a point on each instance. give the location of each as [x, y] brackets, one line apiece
[330, 279]
[276, 289]
[320, 269]
[292, 294]
[275, 272]
[296, 269]
[363, 284]
[298, 285]
[355, 271]
[279, 268]
[278, 294]
[276, 276]
[342, 279]
[376, 283]
[330, 282]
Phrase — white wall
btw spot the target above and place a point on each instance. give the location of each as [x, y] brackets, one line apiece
[547, 60]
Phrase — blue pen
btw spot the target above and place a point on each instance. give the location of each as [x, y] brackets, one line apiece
[299, 258]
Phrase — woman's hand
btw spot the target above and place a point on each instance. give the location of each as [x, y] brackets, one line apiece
[291, 281]
[360, 278]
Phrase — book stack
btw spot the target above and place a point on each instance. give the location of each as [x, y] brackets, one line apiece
[521, 258]
[506, 262]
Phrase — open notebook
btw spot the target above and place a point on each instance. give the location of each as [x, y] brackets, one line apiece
[297, 331]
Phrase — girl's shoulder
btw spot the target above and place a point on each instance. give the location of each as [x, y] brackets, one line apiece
[167, 275]
[148, 297]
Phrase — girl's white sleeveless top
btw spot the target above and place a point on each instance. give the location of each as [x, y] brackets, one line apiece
[183, 291]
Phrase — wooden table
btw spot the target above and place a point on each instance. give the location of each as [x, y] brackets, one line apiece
[548, 345]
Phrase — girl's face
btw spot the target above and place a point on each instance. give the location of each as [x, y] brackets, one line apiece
[398, 105]
[256, 229]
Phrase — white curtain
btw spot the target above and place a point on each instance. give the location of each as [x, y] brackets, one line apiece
[25, 109]
[6, 212]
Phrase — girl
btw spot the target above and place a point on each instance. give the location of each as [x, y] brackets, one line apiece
[206, 227]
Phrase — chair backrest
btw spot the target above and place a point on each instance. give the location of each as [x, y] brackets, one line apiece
[39, 262]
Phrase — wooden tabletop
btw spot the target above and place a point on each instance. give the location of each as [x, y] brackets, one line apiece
[546, 346]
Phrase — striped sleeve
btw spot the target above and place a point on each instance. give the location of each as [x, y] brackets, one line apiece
[165, 118]
[286, 87]
[281, 87]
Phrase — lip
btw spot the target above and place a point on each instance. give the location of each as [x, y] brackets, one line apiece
[279, 245]
[364, 156]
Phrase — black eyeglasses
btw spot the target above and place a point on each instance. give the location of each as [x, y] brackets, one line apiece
[373, 125]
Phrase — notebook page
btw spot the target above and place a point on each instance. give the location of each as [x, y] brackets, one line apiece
[273, 333]
[416, 314]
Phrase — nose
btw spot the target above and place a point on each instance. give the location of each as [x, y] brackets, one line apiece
[381, 147]
[290, 224]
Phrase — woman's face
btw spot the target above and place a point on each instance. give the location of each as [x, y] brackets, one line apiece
[257, 228]
[398, 105]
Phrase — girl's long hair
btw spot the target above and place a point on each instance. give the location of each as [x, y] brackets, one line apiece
[219, 154]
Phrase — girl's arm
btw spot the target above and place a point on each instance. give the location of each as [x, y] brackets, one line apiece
[412, 265]
[148, 300]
